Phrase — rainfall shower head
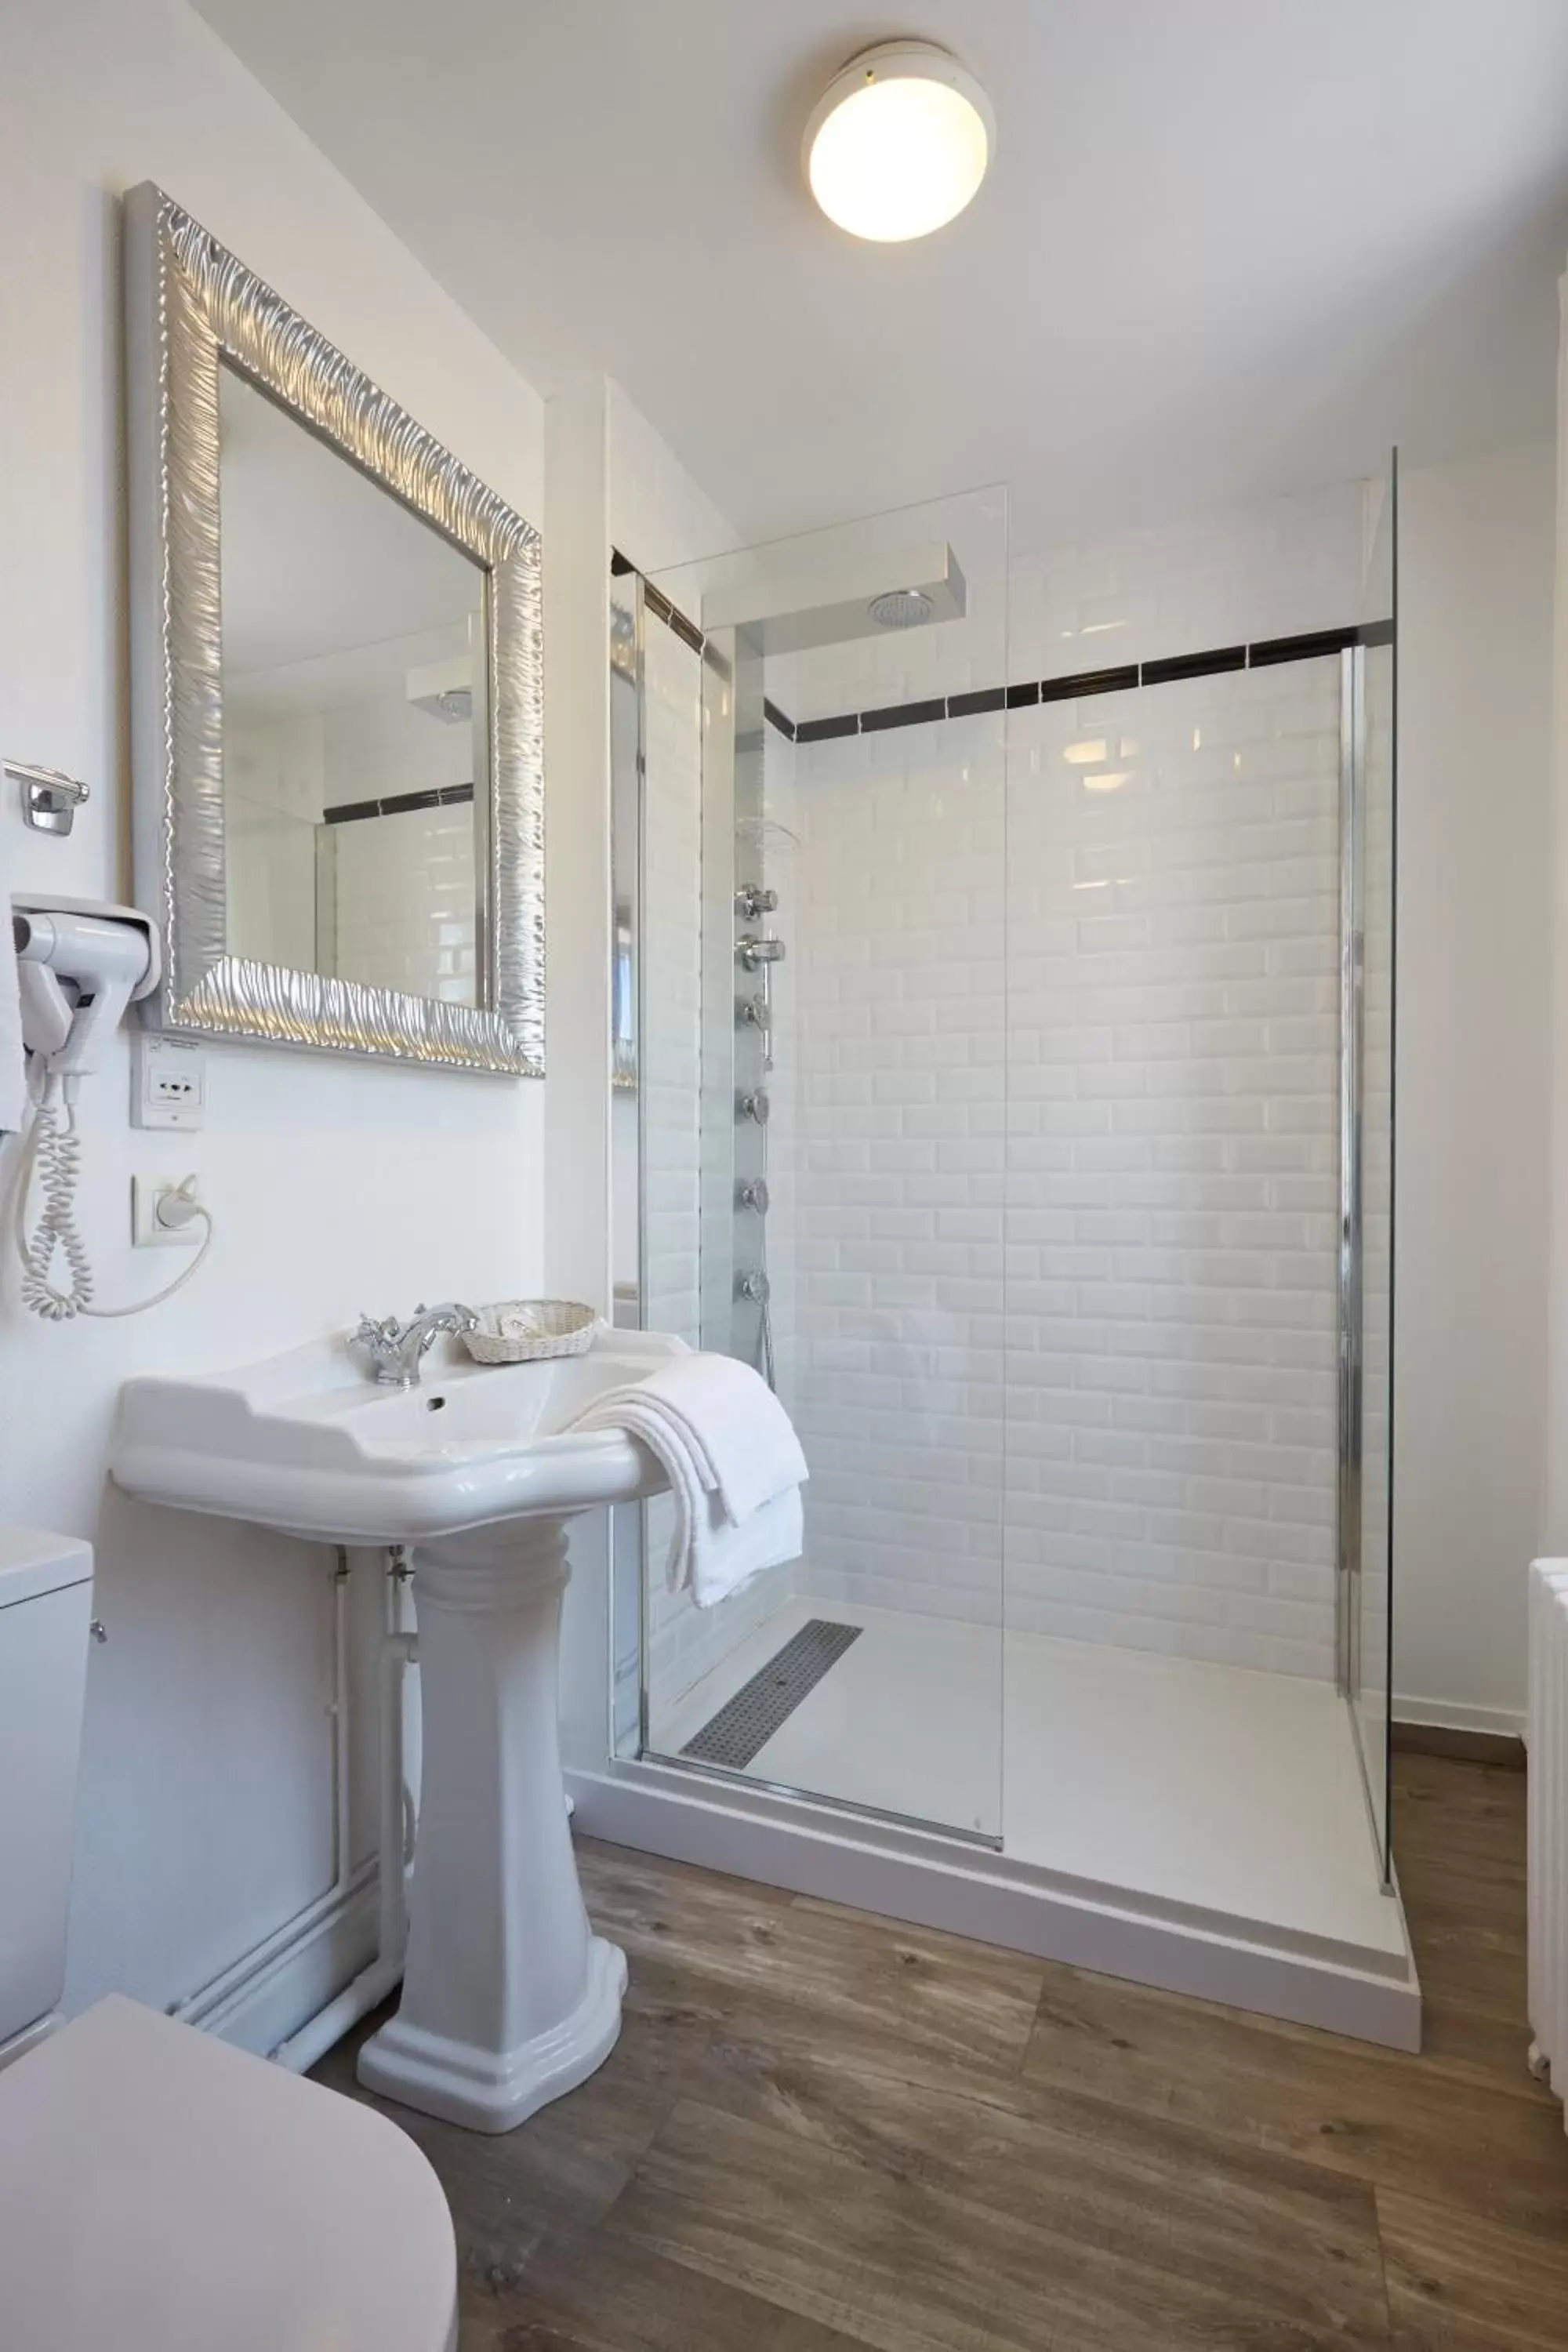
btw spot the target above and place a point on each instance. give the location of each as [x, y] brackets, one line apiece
[442, 691]
[452, 704]
[796, 607]
[901, 608]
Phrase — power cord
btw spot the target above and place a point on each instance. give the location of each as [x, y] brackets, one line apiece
[51, 1156]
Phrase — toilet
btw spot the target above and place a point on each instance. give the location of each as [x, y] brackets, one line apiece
[160, 2190]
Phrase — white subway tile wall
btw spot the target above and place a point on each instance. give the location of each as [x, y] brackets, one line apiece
[671, 970]
[1172, 1122]
[898, 1166]
[1054, 1151]
[393, 904]
[1374, 1595]
[403, 896]
[685, 1642]
[1278, 569]
[1062, 1170]
[778, 849]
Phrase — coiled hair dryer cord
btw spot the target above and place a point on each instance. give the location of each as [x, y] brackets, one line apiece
[51, 1162]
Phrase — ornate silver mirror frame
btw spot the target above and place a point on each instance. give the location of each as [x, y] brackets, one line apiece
[191, 305]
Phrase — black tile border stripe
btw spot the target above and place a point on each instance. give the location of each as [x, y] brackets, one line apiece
[398, 805]
[1180, 666]
[1123, 680]
[1270, 650]
[904, 714]
[823, 730]
[1264, 652]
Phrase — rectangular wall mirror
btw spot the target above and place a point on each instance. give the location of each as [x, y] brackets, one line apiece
[338, 721]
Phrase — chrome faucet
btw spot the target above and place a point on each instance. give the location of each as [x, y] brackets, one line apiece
[398, 1349]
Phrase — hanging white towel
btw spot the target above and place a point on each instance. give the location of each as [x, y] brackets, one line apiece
[734, 1466]
[13, 1072]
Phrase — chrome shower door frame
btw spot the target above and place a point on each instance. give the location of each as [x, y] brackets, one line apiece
[1350, 1592]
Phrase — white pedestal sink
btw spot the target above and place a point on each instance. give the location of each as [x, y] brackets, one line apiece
[508, 1998]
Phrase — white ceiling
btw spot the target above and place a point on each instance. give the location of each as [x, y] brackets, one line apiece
[1228, 247]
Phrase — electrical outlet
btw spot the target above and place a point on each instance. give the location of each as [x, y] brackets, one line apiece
[146, 1229]
[168, 1081]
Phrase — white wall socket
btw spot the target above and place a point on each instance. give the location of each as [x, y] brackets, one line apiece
[146, 1233]
[168, 1081]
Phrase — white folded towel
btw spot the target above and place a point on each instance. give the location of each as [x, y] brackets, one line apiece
[733, 1461]
[13, 1075]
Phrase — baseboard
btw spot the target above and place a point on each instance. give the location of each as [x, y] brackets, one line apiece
[1412, 1713]
[1504, 1747]
[300, 1980]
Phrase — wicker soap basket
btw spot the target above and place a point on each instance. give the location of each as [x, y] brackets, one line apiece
[528, 1330]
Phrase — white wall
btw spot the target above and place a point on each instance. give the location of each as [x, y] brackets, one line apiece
[612, 483]
[1474, 1078]
[204, 1816]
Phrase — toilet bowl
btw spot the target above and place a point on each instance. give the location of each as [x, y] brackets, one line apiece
[161, 2192]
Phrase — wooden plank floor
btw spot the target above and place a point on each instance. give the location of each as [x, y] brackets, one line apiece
[822, 2131]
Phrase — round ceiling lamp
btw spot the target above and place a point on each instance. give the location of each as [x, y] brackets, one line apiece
[899, 141]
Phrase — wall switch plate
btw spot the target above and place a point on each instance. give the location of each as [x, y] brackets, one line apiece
[146, 1233]
[168, 1081]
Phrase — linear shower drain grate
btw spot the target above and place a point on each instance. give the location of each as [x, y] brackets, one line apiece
[745, 1725]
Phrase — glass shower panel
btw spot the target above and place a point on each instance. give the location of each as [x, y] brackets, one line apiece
[849, 1144]
[1373, 753]
[1171, 1392]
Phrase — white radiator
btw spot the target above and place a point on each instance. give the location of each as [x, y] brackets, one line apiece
[1547, 1799]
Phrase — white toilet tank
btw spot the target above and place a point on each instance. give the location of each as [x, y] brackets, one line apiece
[46, 1606]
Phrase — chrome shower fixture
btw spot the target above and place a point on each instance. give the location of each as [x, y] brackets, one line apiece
[901, 608]
[756, 1107]
[754, 1286]
[752, 901]
[754, 952]
[753, 1193]
[787, 606]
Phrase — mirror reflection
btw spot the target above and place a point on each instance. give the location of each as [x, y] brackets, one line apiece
[354, 716]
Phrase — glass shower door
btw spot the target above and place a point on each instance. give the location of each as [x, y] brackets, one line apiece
[826, 718]
[1370, 822]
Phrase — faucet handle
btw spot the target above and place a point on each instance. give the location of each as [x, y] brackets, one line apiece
[398, 1349]
[427, 1321]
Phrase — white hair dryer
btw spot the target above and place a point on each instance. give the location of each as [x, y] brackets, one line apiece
[77, 968]
[79, 965]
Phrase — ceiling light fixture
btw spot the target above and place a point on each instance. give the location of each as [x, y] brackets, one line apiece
[899, 141]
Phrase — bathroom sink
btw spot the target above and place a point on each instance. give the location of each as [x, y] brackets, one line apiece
[305, 1442]
[509, 1998]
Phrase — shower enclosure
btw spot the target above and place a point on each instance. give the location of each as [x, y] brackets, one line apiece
[1003, 1066]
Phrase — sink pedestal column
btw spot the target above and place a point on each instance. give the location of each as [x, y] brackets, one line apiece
[509, 2000]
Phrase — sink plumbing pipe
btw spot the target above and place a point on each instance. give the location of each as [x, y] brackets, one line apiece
[399, 1651]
